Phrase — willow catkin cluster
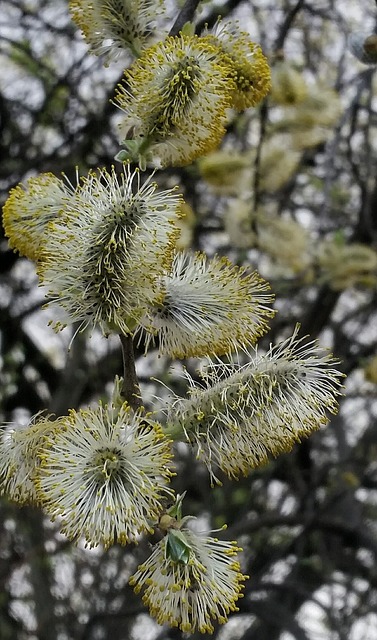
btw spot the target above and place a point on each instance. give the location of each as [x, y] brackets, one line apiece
[107, 255]
[175, 97]
[207, 306]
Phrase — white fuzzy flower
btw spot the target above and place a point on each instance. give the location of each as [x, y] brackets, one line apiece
[30, 208]
[103, 256]
[244, 413]
[288, 84]
[228, 173]
[19, 458]
[349, 265]
[105, 471]
[111, 26]
[250, 69]
[174, 100]
[207, 306]
[194, 588]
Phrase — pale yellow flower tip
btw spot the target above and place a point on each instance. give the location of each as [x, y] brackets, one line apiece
[186, 225]
[246, 413]
[321, 108]
[30, 208]
[346, 266]
[278, 163]
[284, 240]
[288, 84]
[105, 472]
[20, 457]
[110, 27]
[370, 371]
[250, 68]
[192, 590]
[229, 173]
[207, 307]
[174, 100]
[239, 219]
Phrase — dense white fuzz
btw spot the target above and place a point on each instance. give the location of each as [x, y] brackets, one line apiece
[111, 27]
[105, 472]
[207, 306]
[30, 208]
[104, 255]
[19, 458]
[193, 593]
[174, 100]
[244, 413]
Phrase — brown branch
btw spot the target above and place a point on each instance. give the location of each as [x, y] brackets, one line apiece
[257, 166]
[68, 392]
[186, 14]
[130, 389]
[285, 27]
[323, 306]
[219, 12]
[30, 527]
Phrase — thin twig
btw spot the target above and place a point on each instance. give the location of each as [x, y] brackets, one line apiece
[258, 158]
[283, 32]
[130, 389]
[219, 11]
[186, 14]
[285, 27]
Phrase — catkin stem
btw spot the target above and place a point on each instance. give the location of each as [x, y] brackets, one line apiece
[186, 14]
[130, 389]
